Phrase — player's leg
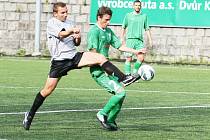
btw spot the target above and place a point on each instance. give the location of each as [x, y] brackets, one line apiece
[138, 63]
[50, 85]
[140, 57]
[128, 57]
[114, 112]
[114, 100]
[127, 65]
[113, 105]
[90, 59]
[110, 84]
[112, 109]
[117, 108]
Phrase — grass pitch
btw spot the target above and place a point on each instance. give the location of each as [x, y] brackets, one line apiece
[174, 105]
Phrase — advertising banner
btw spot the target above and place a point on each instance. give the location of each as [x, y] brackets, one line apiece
[166, 13]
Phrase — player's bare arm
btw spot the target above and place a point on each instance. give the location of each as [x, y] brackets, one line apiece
[149, 37]
[123, 35]
[70, 31]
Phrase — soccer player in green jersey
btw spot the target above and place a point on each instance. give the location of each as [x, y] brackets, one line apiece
[133, 27]
[100, 38]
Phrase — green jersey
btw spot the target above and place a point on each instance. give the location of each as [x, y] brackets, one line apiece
[136, 24]
[101, 39]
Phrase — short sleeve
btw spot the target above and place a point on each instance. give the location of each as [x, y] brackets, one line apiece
[93, 39]
[146, 23]
[125, 22]
[53, 28]
[115, 41]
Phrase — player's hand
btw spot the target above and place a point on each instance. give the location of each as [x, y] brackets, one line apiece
[74, 30]
[76, 36]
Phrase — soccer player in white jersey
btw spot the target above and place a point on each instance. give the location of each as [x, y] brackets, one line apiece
[62, 39]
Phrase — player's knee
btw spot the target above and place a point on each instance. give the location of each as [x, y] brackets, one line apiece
[129, 59]
[45, 93]
[48, 90]
[122, 94]
[102, 59]
[120, 90]
[140, 58]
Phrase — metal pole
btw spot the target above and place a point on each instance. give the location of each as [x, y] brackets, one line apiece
[37, 29]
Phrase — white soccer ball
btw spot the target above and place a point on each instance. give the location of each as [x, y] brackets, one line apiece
[146, 72]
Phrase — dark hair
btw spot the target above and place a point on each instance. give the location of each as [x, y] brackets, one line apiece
[137, 1]
[58, 4]
[103, 11]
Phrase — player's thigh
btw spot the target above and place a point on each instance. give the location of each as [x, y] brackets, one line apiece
[109, 83]
[138, 46]
[130, 44]
[90, 58]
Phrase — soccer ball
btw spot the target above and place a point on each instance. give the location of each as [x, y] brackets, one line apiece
[146, 72]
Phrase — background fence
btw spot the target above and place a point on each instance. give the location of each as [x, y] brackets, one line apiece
[171, 44]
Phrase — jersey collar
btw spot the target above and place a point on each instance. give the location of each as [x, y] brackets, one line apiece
[100, 27]
[136, 13]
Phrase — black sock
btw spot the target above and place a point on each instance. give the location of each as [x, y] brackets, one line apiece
[113, 70]
[37, 103]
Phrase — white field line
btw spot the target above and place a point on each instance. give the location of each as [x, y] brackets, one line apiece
[89, 110]
[94, 110]
[117, 63]
[100, 89]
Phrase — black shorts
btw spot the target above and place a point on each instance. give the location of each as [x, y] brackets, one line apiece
[60, 68]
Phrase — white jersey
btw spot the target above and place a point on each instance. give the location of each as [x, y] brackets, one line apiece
[60, 49]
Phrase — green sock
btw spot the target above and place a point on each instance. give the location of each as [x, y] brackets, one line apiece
[113, 101]
[137, 65]
[115, 111]
[127, 67]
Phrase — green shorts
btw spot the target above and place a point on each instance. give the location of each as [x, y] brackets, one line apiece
[110, 83]
[136, 44]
